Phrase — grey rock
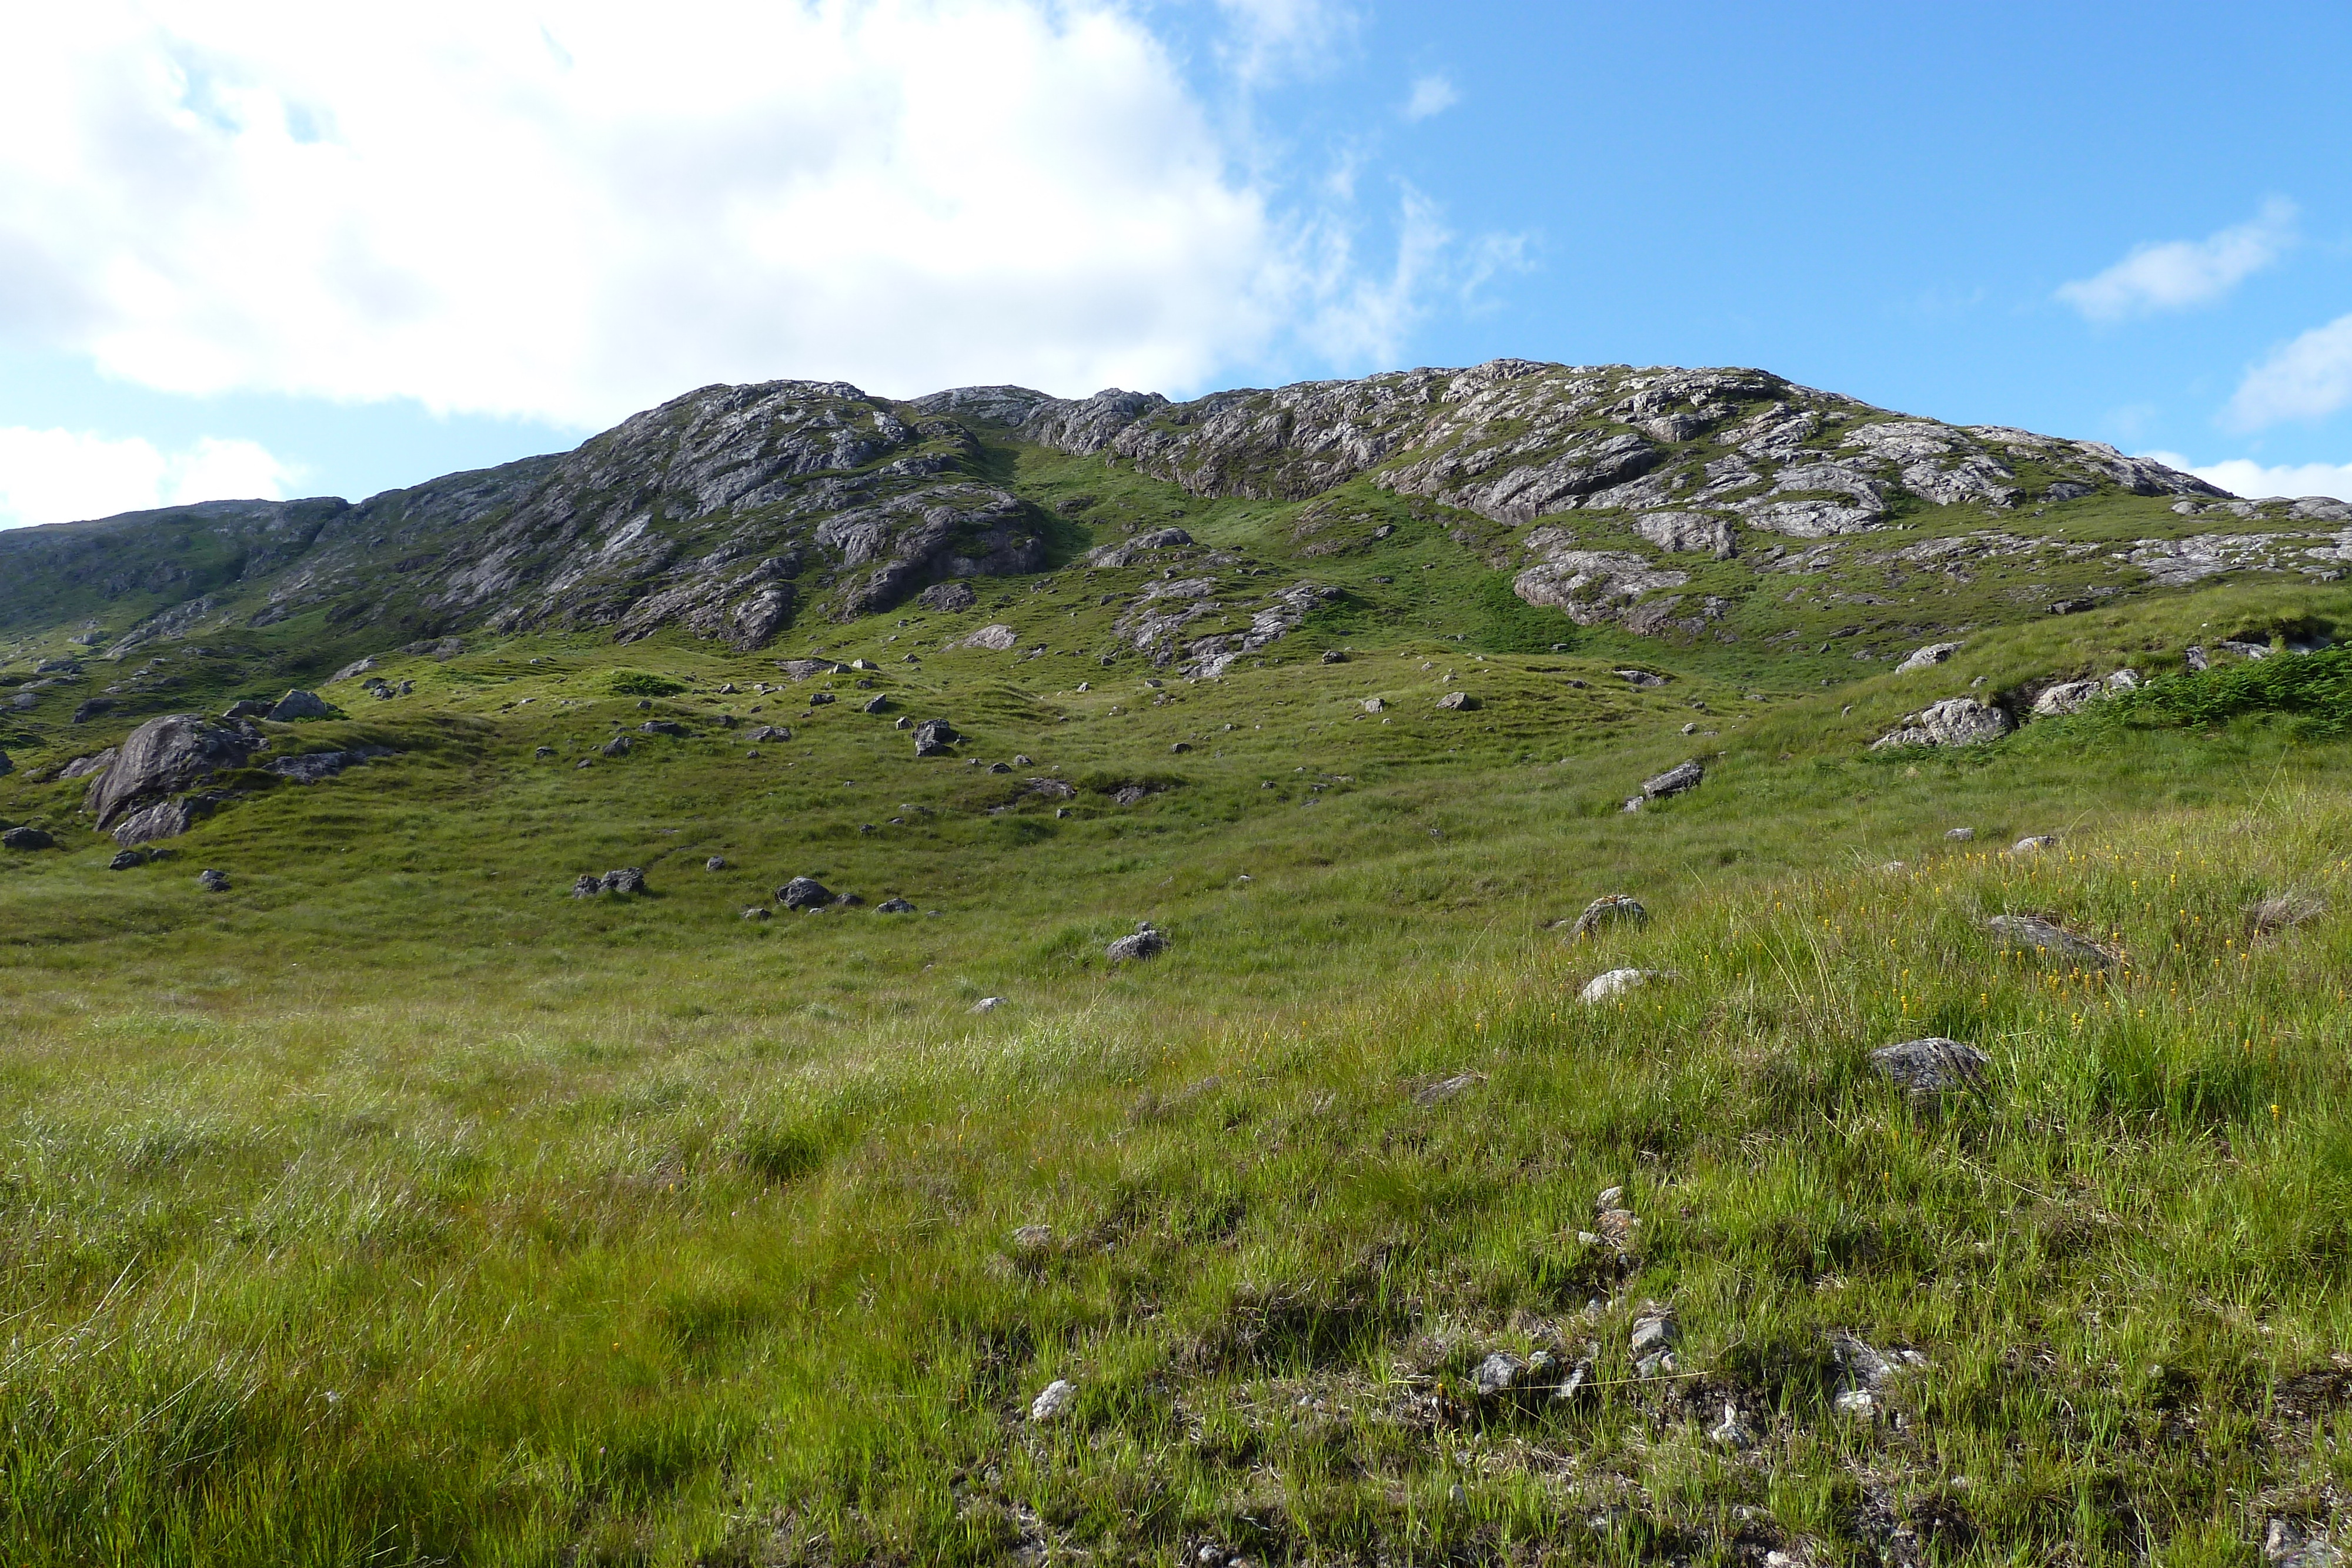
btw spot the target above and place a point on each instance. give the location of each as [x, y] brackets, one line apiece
[1614, 908]
[877, 704]
[1928, 657]
[769, 732]
[26, 839]
[163, 756]
[300, 705]
[803, 892]
[1000, 767]
[1643, 678]
[988, 1005]
[1955, 721]
[1497, 1373]
[819, 699]
[2123, 681]
[1730, 1432]
[808, 669]
[993, 639]
[213, 881]
[162, 819]
[81, 767]
[1960, 835]
[1592, 588]
[2196, 659]
[1458, 702]
[2293, 1543]
[1334, 656]
[2283, 911]
[313, 765]
[127, 859]
[8, 766]
[587, 885]
[2031, 930]
[759, 912]
[2245, 650]
[94, 708]
[1373, 704]
[1655, 1329]
[1054, 1401]
[1616, 983]
[619, 746]
[1446, 1089]
[1127, 552]
[1688, 532]
[2034, 845]
[628, 878]
[351, 671]
[1931, 1066]
[543, 752]
[247, 707]
[716, 863]
[1674, 781]
[1144, 942]
[24, 701]
[933, 736]
[948, 598]
[894, 906]
[2067, 696]
[662, 727]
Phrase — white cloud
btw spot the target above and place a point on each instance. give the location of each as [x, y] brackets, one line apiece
[573, 221]
[1276, 38]
[2308, 379]
[2180, 273]
[60, 476]
[2244, 477]
[1431, 95]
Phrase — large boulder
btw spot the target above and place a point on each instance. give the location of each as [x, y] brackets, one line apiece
[933, 736]
[297, 704]
[26, 839]
[163, 756]
[1955, 721]
[803, 892]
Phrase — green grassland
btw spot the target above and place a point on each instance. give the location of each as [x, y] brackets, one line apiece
[395, 1206]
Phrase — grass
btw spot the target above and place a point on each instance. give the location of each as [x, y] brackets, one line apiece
[395, 1206]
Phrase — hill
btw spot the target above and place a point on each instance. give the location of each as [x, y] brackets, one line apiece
[395, 1199]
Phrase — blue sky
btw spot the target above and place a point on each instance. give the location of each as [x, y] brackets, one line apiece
[266, 249]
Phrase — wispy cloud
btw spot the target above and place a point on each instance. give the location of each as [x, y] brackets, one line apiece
[1269, 39]
[2309, 378]
[2178, 274]
[2244, 477]
[1431, 95]
[59, 475]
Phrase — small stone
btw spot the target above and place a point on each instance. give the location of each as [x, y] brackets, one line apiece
[1730, 1432]
[758, 912]
[1333, 656]
[877, 704]
[1182, 745]
[213, 881]
[26, 839]
[1374, 704]
[1932, 1066]
[1611, 909]
[933, 736]
[2196, 659]
[1691, 729]
[716, 863]
[1960, 835]
[662, 727]
[628, 878]
[1616, 983]
[127, 859]
[1496, 1374]
[1928, 657]
[619, 746]
[543, 752]
[894, 906]
[587, 885]
[987, 1004]
[591, 762]
[1674, 781]
[2035, 846]
[2066, 697]
[819, 699]
[1000, 767]
[1019, 760]
[1054, 1401]
[1458, 702]
[1655, 1330]
[1955, 721]
[2289, 1545]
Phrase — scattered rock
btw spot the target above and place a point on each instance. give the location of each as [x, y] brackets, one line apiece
[716, 863]
[2034, 845]
[1642, 678]
[127, 859]
[2245, 650]
[820, 699]
[988, 1005]
[663, 726]
[1373, 704]
[1730, 1432]
[758, 912]
[94, 708]
[1932, 1066]
[1934, 653]
[1610, 909]
[299, 704]
[1497, 1373]
[543, 752]
[894, 906]
[933, 736]
[948, 598]
[1144, 942]
[1655, 1330]
[2123, 681]
[1955, 721]
[1458, 702]
[2073, 606]
[2033, 931]
[993, 639]
[2281, 911]
[353, 671]
[766, 732]
[7, 767]
[1182, 745]
[26, 839]
[628, 878]
[1334, 656]
[877, 703]
[2196, 659]
[1446, 1089]
[213, 881]
[803, 892]
[2290, 1544]
[164, 819]
[1054, 789]
[1000, 767]
[1960, 835]
[619, 746]
[2066, 696]
[1674, 781]
[1616, 982]
[1056, 1399]
[588, 884]
[313, 765]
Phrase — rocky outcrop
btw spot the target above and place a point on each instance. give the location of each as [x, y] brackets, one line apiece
[1592, 588]
[1955, 721]
[163, 757]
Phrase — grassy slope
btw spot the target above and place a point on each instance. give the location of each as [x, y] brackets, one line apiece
[395, 1206]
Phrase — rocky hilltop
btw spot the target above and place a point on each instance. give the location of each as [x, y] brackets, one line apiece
[733, 512]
